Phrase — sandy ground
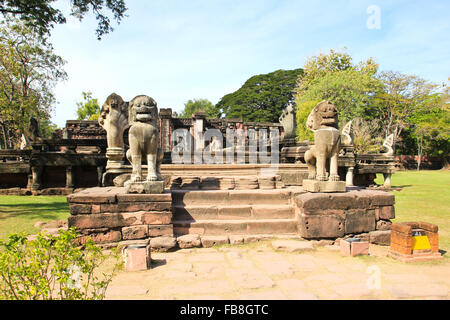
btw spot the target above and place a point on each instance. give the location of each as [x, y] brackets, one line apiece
[257, 271]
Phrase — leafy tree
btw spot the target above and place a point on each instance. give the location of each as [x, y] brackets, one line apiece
[89, 109]
[192, 106]
[29, 71]
[42, 16]
[403, 99]
[431, 128]
[262, 97]
[334, 77]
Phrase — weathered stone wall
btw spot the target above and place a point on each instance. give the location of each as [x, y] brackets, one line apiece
[110, 215]
[335, 215]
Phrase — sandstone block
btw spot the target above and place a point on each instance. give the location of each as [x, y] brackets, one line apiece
[272, 212]
[105, 220]
[135, 232]
[272, 226]
[323, 186]
[236, 239]
[235, 212]
[163, 243]
[359, 221]
[101, 237]
[386, 212]
[380, 237]
[192, 212]
[162, 217]
[209, 241]
[189, 241]
[76, 208]
[323, 226]
[383, 225]
[323, 201]
[156, 197]
[159, 230]
[136, 206]
[146, 187]
[93, 195]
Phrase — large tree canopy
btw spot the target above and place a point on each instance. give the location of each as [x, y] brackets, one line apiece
[29, 70]
[41, 15]
[261, 98]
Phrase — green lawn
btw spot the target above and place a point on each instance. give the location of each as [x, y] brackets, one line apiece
[425, 196]
[20, 213]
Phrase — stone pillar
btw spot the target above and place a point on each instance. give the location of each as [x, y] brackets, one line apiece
[199, 143]
[36, 172]
[165, 129]
[115, 157]
[349, 177]
[69, 177]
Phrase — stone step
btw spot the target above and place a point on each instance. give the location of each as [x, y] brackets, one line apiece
[227, 212]
[235, 227]
[231, 197]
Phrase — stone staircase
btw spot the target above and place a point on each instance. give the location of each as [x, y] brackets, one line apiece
[234, 212]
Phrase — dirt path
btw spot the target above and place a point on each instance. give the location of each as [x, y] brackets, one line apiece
[257, 271]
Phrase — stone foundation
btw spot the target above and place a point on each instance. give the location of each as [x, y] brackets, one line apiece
[334, 215]
[111, 215]
[193, 218]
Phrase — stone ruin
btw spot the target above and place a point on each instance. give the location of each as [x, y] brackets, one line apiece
[207, 204]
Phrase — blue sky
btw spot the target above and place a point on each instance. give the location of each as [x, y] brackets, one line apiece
[174, 50]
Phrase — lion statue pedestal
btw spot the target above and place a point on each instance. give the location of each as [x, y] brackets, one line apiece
[323, 121]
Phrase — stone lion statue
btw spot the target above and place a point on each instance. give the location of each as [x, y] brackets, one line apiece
[323, 121]
[143, 138]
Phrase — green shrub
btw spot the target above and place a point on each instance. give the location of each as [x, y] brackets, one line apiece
[53, 267]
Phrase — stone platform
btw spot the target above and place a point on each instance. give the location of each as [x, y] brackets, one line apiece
[111, 215]
[190, 218]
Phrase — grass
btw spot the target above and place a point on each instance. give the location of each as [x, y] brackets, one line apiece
[20, 213]
[425, 196]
